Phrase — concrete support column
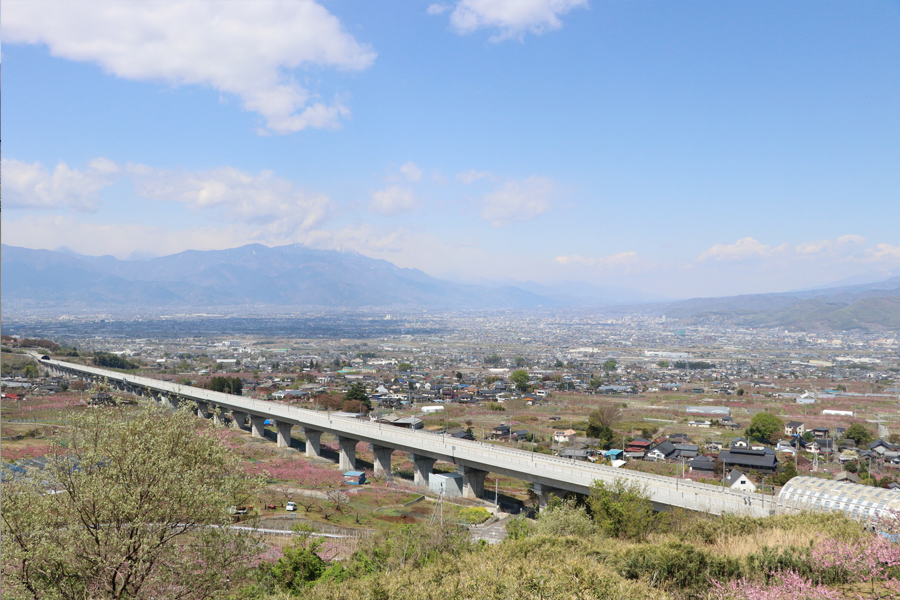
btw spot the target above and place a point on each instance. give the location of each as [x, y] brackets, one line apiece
[257, 426]
[218, 415]
[382, 461]
[203, 410]
[240, 419]
[284, 434]
[543, 492]
[172, 401]
[313, 442]
[422, 466]
[348, 453]
[473, 481]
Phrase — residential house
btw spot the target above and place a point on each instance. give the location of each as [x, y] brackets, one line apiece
[794, 428]
[574, 453]
[686, 451]
[661, 451]
[563, 437]
[703, 465]
[847, 477]
[740, 443]
[821, 433]
[739, 482]
[758, 460]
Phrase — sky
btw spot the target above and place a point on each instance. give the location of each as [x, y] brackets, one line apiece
[683, 148]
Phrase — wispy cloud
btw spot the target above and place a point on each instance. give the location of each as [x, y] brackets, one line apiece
[512, 19]
[255, 198]
[411, 172]
[472, 176]
[517, 201]
[32, 185]
[241, 48]
[393, 200]
[742, 249]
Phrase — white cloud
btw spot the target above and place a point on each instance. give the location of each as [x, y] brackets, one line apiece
[512, 18]
[438, 9]
[844, 248]
[241, 48]
[741, 250]
[622, 260]
[32, 185]
[472, 176]
[517, 201]
[820, 246]
[257, 199]
[411, 172]
[882, 252]
[393, 200]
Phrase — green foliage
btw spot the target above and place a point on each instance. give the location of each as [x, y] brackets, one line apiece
[410, 546]
[693, 364]
[623, 510]
[474, 515]
[530, 568]
[493, 359]
[518, 528]
[30, 371]
[787, 473]
[357, 392]
[520, 362]
[763, 426]
[404, 367]
[859, 434]
[520, 378]
[496, 406]
[678, 565]
[113, 361]
[228, 385]
[741, 392]
[663, 364]
[601, 420]
[143, 500]
[298, 568]
[565, 518]
[610, 365]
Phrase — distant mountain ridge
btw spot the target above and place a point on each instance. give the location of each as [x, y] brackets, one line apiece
[249, 275]
[870, 306]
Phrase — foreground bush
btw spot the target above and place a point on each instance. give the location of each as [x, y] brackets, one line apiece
[135, 507]
[536, 567]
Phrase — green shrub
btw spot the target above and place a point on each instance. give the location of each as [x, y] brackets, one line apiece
[679, 565]
[518, 528]
[565, 519]
[474, 515]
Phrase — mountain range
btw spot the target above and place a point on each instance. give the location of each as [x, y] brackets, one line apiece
[294, 276]
[869, 306]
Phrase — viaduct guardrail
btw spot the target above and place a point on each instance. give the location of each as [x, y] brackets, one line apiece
[551, 474]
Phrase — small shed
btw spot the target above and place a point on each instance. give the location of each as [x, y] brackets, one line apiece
[451, 484]
[354, 477]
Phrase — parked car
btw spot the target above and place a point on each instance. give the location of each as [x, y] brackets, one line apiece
[290, 506]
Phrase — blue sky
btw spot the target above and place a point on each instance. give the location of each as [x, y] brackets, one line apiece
[682, 148]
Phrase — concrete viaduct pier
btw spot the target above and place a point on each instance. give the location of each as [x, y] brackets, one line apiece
[474, 460]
